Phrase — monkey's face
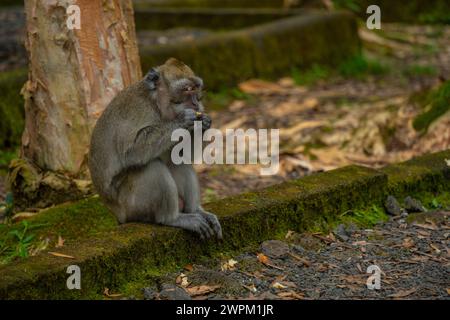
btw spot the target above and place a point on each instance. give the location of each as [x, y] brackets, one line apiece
[186, 93]
[176, 87]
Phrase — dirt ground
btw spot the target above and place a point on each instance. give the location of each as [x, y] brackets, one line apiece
[413, 259]
[335, 121]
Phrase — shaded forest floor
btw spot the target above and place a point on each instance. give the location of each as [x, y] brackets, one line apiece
[412, 255]
[361, 112]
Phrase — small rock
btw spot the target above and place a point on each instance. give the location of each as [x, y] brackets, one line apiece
[414, 205]
[275, 248]
[149, 293]
[392, 206]
[171, 292]
[341, 233]
[299, 248]
[268, 296]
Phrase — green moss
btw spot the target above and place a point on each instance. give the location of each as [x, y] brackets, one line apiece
[11, 108]
[210, 3]
[439, 104]
[212, 19]
[429, 172]
[137, 253]
[71, 221]
[415, 11]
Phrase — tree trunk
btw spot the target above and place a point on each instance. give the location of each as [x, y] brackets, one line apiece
[73, 75]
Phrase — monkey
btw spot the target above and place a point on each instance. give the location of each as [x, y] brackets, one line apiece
[130, 152]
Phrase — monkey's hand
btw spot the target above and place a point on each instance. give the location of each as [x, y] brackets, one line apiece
[187, 118]
[206, 121]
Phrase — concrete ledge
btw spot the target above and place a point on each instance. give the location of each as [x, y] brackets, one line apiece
[265, 51]
[114, 257]
[223, 19]
[210, 3]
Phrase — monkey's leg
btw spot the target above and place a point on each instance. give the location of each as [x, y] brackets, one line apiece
[194, 222]
[151, 196]
[213, 221]
[189, 191]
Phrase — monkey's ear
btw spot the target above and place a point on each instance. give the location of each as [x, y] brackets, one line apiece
[151, 78]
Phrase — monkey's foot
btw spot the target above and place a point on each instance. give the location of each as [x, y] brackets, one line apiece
[214, 223]
[195, 222]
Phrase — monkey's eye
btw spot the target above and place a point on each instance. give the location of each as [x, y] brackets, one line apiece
[189, 89]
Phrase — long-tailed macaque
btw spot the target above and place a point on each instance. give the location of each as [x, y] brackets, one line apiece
[130, 153]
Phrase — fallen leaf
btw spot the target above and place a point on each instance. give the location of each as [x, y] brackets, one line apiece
[425, 226]
[302, 260]
[402, 293]
[111, 295]
[265, 260]
[57, 254]
[201, 290]
[436, 249]
[260, 87]
[408, 243]
[278, 285]
[262, 258]
[289, 234]
[291, 295]
[251, 287]
[229, 265]
[188, 267]
[358, 266]
[424, 233]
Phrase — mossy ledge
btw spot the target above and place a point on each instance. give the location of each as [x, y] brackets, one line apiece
[112, 258]
[268, 50]
[214, 19]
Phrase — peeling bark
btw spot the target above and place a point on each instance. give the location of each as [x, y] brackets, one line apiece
[73, 75]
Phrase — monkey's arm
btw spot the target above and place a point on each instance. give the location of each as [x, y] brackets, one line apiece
[150, 142]
[154, 139]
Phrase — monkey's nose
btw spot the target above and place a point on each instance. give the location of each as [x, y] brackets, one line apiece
[195, 102]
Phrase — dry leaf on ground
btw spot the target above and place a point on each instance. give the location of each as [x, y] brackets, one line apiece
[62, 255]
[201, 290]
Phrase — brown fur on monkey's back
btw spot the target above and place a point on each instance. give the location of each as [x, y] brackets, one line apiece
[115, 130]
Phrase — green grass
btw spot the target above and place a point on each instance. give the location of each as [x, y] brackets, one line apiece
[221, 99]
[73, 221]
[438, 102]
[360, 66]
[351, 5]
[18, 242]
[416, 70]
[310, 76]
[357, 67]
[365, 217]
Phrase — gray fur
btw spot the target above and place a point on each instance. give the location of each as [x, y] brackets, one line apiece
[129, 157]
